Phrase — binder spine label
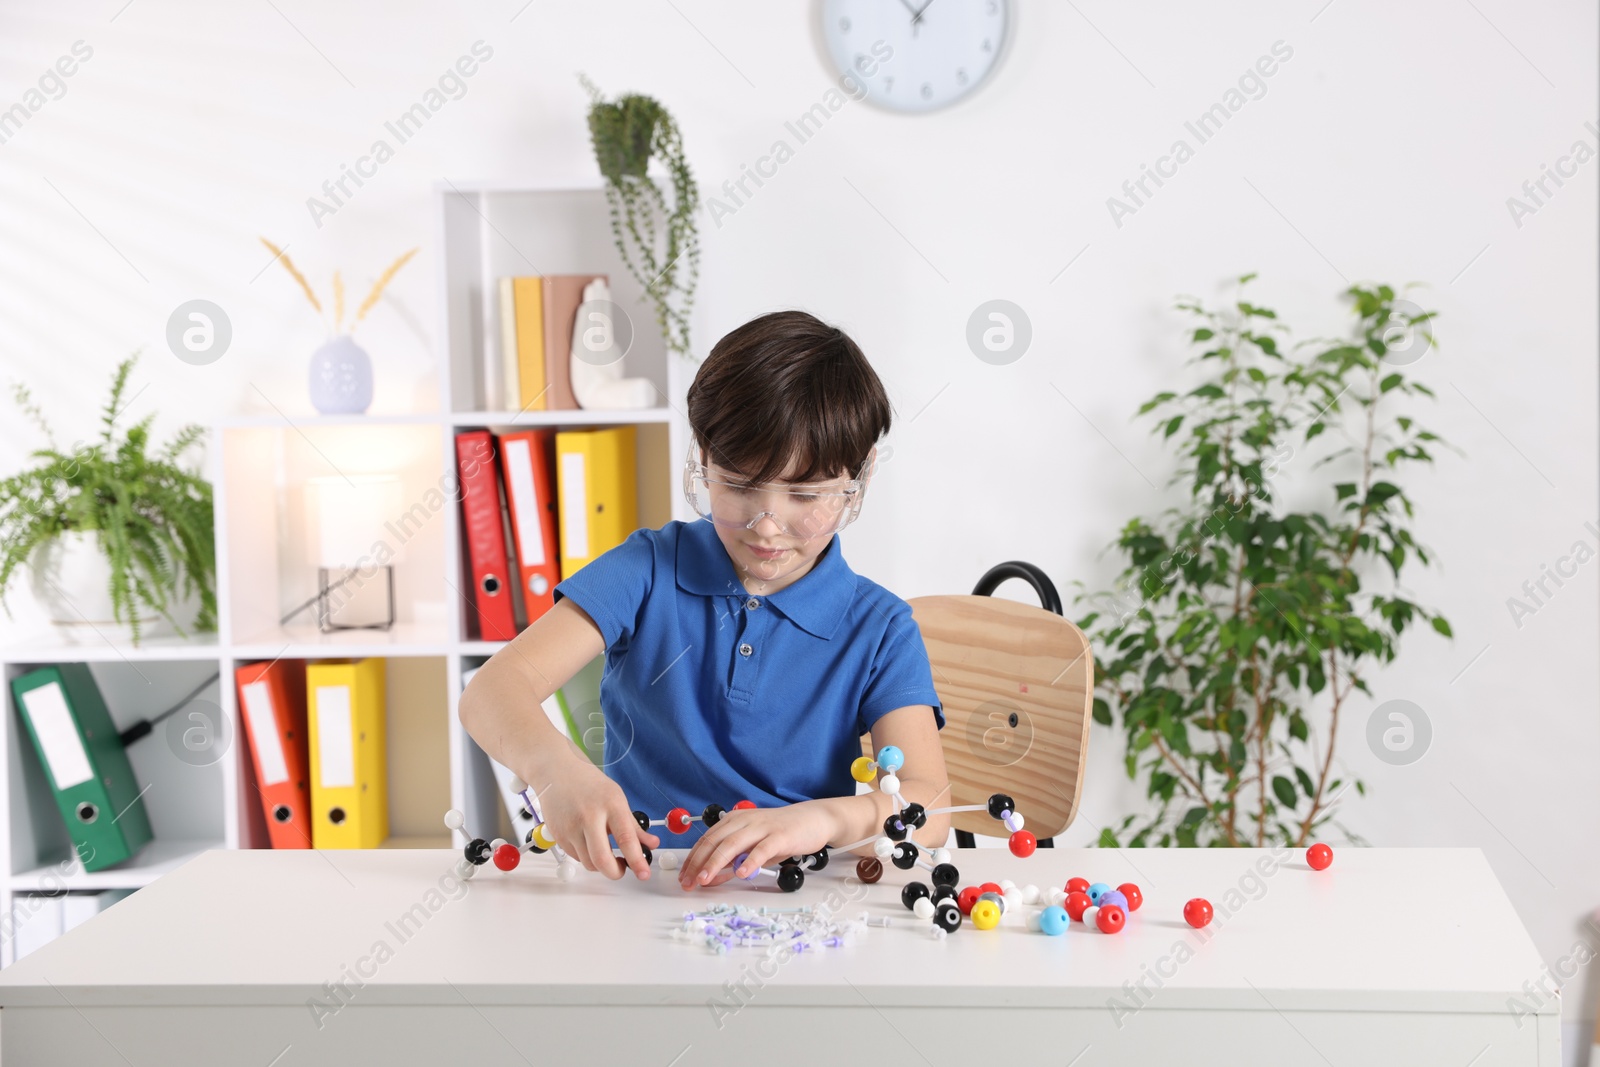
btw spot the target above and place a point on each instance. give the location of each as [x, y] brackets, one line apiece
[336, 757]
[58, 736]
[264, 732]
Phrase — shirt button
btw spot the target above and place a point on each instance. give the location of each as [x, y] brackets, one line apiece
[752, 603]
[745, 649]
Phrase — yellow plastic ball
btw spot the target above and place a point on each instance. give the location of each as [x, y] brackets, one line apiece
[986, 915]
[540, 839]
[863, 769]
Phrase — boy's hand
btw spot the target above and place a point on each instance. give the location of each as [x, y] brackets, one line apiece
[580, 806]
[767, 834]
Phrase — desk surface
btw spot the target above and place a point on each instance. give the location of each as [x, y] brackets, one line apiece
[1383, 930]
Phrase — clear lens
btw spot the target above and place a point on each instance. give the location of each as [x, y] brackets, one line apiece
[803, 512]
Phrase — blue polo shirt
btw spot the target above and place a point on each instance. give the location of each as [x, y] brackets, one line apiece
[712, 694]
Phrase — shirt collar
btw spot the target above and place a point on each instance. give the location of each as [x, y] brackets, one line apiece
[816, 603]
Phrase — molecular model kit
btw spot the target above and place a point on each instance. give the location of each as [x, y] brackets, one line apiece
[1096, 905]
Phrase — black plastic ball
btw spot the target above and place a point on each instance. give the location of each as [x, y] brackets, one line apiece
[905, 855]
[999, 804]
[791, 878]
[894, 829]
[913, 892]
[818, 859]
[946, 892]
[477, 852]
[914, 815]
[712, 813]
[948, 916]
[643, 820]
[649, 857]
[946, 874]
[533, 848]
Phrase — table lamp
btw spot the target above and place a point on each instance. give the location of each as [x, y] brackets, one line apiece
[346, 519]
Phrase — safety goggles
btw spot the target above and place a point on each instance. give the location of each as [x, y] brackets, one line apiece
[804, 511]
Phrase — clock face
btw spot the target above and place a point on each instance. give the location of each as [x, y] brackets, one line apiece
[915, 55]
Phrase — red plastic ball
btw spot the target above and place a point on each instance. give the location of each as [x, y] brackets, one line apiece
[1131, 891]
[990, 887]
[1319, 856]
[968, 897]
[507, 856]
[1197, 912]
[1076, 904]
[1077, 885]
[1023, 843]
[678, 821]
[744, 805]
[1111, 919]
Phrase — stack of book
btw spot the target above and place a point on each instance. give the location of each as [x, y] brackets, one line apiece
[528, 343]
[536, 506]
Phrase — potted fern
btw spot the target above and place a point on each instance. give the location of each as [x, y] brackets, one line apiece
[1230, 652]
[115, 538]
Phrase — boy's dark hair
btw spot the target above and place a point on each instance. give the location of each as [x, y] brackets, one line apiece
[788, 387]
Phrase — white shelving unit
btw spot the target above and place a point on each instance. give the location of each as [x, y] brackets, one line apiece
[259, 465]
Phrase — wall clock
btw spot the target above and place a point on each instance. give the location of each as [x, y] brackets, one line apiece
[916, 55]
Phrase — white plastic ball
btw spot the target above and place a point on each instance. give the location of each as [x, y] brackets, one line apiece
[496, 843]
[923, 908]
[517, 784]
[668, 860]
[1007, 885]
[941, 855]
[1089, 914]
[890, 784]
[883, 848]
[454, 820]
[566, 870]
[466, 869]
[1030, 894]
[1014, 821]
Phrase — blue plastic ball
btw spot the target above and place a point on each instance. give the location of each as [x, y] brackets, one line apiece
[1096, 891]
[891, 759]
[1053, 921]
[1112, 896]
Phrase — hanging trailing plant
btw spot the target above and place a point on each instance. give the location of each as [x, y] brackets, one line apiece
[626, 133]
[1239, 630]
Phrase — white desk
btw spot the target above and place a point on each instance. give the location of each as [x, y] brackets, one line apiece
[1389, 957]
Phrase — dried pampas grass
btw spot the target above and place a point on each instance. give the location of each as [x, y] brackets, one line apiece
[378, 286]
[338, 286]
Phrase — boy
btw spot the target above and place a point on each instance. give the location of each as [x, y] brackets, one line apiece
[744, 659]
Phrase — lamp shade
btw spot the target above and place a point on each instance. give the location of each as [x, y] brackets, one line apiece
[346, 518]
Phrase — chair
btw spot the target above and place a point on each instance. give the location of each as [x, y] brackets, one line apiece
[1017, 685]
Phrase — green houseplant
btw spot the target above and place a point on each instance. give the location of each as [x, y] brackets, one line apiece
[1238, 629]
[626, 133]
[148, 517]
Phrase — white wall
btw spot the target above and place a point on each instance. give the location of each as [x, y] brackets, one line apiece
[1385, 149]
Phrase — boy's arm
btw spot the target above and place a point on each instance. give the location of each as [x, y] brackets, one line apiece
[923, 780]
[500, 708]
